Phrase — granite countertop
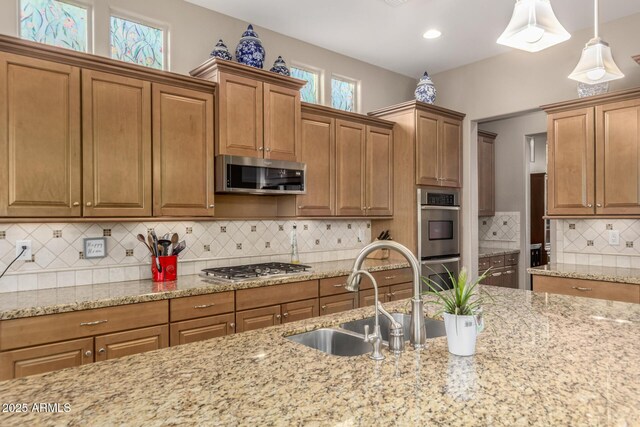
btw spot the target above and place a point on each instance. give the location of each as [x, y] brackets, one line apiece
[589, 272]
[14, 305]
[554, 360]
[486, 252]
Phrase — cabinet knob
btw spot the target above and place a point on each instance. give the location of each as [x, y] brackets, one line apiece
[268, 150]
[285, 315]
[89, 204]
[88, 353]
[300, 207]
[589, 205]
[232, 325]
[102, 350]
[212, 206]
[599, 205]
[260, 148]
[324, 307]
[278, 316]
[368, 208]
[76, 203]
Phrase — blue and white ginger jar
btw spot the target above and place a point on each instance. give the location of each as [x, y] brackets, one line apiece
[221, 51]
[250, 51]
[280, 67]
[426, 90]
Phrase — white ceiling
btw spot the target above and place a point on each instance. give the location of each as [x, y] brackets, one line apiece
[391, 36]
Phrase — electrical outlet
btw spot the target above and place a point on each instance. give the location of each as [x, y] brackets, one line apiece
[26, 256]
[614, 237]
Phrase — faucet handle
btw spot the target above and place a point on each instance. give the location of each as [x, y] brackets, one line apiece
[366, 333]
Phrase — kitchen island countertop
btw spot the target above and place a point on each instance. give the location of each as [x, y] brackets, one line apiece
[589, 272]
[543, 360]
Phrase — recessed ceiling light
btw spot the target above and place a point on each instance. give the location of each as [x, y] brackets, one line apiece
[432, 34]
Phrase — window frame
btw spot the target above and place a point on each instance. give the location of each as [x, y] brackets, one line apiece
[318, 72]
[148, 22]
[85, 4]
[356, 88]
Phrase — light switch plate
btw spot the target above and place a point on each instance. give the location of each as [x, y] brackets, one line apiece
[614, 237]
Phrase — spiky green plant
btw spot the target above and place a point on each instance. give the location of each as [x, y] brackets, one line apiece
[463, 299]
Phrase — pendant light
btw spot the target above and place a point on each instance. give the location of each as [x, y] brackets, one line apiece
[596, 64]
[533, 27]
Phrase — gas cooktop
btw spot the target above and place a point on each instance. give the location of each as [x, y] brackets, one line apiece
[252, 271]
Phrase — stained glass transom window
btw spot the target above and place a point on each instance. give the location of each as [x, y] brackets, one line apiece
[309, 93]
[343, 94]
[54, 22]
[137, 43]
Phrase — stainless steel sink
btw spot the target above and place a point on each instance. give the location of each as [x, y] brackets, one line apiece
[435, 328]
[334, 342]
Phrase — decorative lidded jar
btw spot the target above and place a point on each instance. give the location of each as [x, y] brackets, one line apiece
[426, 90]
[221, 51]
[280, 67]
[249, 50]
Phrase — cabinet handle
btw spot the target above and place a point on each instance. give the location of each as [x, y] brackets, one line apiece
[300, 207]
[497, 274]
[589, 205]
[278, 316]
[324, 307]
[285, 315]
[88, 353]
[76, 203]
[232, 325]
[339, 285]
[97, 322]
[581, 289]
[268, 150]
[203, 306]
[392, 294]
[389, 277]
[599, 205]
[368, 208]
[89, 204]
[212, 206]
[260, 148]
[102, 350]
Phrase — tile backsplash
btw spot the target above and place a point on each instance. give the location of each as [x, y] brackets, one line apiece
[586, 241]
[58, 258]
[500, 231]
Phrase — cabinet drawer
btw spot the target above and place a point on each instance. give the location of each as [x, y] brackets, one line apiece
[278, 294]
[201, 329]
[511, 259]
[31, 331]
[201, 306]
[122, 344]
[337, 303]
[389, 277]
[497, 261]
[333, 286]
[587, 288]
[484, 264]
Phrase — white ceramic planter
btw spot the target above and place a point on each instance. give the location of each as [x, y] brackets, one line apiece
[461, 338]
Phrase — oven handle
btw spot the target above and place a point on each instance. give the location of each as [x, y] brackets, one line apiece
[439, 208]
[440, 261]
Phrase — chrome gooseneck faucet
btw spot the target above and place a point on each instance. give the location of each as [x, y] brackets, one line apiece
[418, 331]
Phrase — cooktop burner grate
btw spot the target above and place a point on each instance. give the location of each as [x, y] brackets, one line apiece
[245, 272]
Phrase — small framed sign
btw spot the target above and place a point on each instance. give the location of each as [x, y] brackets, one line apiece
[95, 247]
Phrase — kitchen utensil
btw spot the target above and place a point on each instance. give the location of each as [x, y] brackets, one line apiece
[154, 239]
[164, 244]
[380, 235]
[175, 239]
[143, 240]
[386, 235]
[179, 247]
[166, 236]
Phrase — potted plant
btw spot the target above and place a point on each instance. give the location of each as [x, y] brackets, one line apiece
[461, 308]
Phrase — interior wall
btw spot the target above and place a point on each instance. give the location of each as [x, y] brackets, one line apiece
[194, 31]
[540, 151]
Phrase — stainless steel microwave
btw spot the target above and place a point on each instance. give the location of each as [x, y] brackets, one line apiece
[259, 176]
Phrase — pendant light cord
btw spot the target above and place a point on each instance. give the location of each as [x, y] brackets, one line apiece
[14, 260]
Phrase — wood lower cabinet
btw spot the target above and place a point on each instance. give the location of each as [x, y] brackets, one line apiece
[400, 292]
[386, 294]
[486, 173]
[317, 151]
[281, 123]
[258, 318]
[338, 303]
[201, 329]
[366, 297]
[300, 310]
[127, 343]
[503, 270]
[183, 152]
[40, 138]
[116, 145]
[587, 288]
[350, 168]
[45, 358]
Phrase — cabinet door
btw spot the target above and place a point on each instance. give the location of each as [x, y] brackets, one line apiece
[202, 329]
[570, 164]
[618, 158]
[510, 277]
[486, 177]
[379, 171]
[427, 149]
[116, 144]
[338, 303]
[127, 343]
[300, 310]
[281, 123]
[183, 151]
[240, 116]
[366, 297]
[40, 157]
[258, 318]
[317, 151]
[450, 153]
[350, 158]
[45, 358]
[400, 292]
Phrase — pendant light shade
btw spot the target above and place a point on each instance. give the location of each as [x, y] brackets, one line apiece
[533, 27]
[596, 64]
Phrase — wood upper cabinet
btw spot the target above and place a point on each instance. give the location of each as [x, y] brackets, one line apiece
[116, 144]
[127, 343]
[438, 150]
[240, 108]
[379, 171]
[317, 151]
[350, 168]
[183, 152]
[281, 123]
[486, 173]
[571, 163]
[40, 137]
[618, 158]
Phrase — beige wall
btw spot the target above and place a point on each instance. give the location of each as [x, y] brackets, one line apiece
[519, 82]
[194, 31]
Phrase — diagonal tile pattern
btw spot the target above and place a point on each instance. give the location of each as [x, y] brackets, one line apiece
[500, 231]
